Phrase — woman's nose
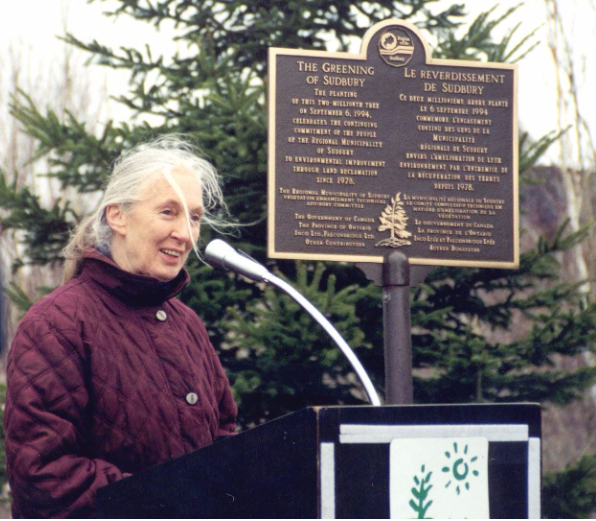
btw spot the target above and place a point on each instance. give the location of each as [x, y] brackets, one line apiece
[180, 231]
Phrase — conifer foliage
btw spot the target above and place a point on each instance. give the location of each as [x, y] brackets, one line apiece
[214, 89]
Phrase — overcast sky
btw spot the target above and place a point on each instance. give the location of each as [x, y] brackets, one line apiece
[32, 27]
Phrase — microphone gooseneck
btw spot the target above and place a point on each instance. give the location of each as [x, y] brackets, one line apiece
[220, 254]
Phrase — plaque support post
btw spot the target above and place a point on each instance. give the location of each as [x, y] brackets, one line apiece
[396, 276]
[397, 329]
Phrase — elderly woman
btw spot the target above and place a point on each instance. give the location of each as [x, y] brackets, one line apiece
[109, 374]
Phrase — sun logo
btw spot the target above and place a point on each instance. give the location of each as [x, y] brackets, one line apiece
[460, 468]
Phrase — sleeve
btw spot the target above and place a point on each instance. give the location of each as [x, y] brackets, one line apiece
[228, 411]
[45, 421]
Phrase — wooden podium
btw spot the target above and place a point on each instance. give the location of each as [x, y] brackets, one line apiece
[333, 462]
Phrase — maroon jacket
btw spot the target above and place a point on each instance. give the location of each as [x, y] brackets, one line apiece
[107, 375]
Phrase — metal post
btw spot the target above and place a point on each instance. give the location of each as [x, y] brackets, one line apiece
[397, 329]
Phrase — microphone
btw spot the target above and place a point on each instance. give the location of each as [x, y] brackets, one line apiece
[220, 254]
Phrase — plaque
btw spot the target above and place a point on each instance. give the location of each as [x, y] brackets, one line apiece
[391, 149]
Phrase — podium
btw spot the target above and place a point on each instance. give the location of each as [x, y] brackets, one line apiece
[342, 462]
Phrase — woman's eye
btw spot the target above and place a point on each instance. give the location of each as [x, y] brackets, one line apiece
[167, 211]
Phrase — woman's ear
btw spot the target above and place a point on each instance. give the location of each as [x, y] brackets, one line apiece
[116, 219]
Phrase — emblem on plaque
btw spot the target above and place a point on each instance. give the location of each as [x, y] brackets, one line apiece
[396, 47]
[394, 219]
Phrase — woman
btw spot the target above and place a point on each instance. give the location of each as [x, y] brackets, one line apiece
[109, 375]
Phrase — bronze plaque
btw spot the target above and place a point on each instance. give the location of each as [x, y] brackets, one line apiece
[392, 149]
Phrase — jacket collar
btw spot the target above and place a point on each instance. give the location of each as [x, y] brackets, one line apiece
[130, 288]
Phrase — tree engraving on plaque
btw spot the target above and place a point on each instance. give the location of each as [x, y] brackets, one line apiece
[394, 219]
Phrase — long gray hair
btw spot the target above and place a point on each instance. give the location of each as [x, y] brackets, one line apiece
[130, 171]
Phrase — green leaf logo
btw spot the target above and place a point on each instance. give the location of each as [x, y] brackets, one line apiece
[420, 493]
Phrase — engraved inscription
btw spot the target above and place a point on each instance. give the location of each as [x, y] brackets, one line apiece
[393, 150]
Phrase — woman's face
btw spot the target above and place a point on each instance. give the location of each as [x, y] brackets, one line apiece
[153, 238]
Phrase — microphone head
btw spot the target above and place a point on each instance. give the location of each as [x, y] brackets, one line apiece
[220, 253]
[217, 251]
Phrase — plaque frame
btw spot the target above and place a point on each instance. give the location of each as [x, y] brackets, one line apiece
[362, 56]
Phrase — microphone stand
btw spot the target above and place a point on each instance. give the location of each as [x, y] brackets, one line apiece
[220, 253]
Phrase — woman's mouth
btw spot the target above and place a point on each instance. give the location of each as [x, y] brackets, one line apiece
[171, 253]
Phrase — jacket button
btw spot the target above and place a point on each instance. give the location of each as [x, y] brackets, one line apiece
[161, 315]
[192, 398]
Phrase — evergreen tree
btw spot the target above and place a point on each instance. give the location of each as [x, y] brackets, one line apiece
[277, 360]
[569, 494]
